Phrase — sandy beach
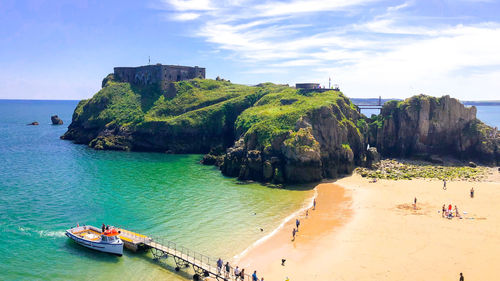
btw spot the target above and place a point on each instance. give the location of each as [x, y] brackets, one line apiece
[371, 231]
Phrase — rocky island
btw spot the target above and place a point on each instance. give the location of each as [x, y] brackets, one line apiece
[275, 133]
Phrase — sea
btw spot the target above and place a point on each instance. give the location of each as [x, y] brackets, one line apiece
[48, 185]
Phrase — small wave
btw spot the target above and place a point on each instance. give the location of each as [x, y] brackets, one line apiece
[45, 233]
[306, 206]
[25, 230]
[42, 233]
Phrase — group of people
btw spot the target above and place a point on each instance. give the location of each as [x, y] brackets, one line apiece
[237, 272]
[104, 227]
[448, 212]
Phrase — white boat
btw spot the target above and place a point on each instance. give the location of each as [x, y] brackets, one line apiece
[93, 238]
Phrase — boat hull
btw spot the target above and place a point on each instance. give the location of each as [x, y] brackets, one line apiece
[111, 248]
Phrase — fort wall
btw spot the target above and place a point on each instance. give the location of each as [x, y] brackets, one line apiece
[158, 73]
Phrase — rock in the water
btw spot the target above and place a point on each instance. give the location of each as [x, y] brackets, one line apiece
[33, 124]
[56, 120]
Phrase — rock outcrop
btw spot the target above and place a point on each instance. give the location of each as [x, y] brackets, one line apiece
[324, 143]
[56, 120]
[198, 117]
[34, 123]
[273, 133]
[425, 126]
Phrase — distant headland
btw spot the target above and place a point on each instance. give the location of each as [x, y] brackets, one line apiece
[268, 132]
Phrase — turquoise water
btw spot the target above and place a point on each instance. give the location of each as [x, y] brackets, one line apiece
[48, 185]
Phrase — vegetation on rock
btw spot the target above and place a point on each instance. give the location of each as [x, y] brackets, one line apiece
[274, 133]
[410, 169]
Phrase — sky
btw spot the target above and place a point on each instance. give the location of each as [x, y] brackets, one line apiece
[394, 49]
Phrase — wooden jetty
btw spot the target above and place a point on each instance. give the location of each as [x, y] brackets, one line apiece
[204, 267]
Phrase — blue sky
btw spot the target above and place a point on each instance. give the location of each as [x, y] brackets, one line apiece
[63, 49]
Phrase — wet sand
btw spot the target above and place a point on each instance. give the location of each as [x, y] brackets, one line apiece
[318, 227]
[371, 231]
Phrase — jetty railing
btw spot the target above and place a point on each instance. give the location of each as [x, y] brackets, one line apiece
[203, 265]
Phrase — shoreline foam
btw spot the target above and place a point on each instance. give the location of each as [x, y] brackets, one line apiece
[286, 220]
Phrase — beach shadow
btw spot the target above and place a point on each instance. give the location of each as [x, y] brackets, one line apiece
[407, 208]
[165, 263]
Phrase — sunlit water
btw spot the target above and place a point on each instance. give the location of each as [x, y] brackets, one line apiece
[48, 185]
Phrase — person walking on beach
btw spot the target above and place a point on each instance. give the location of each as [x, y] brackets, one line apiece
[219, 266]
[103, 227]
[242, 274]
[254, 276]
[307, 213]
[228, 270]
[415, 203]
[237, 272]
[314, 204]
[443, 211]
[297, 223]
[293, 234]
[472, 192]
[461, 277]
[444, 184]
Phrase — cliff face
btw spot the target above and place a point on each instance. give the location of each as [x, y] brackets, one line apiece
[274, 133]
[313, 137]
[199, 115]
[426, 125]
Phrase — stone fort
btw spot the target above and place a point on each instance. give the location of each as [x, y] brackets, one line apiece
[157, 73]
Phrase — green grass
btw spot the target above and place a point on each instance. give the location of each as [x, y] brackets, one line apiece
[214, 107]
[116, 103]
[269, 118]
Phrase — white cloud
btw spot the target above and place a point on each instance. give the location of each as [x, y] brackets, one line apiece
[189, 5]
[183, 16]
[384, 51]
[270, 9]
